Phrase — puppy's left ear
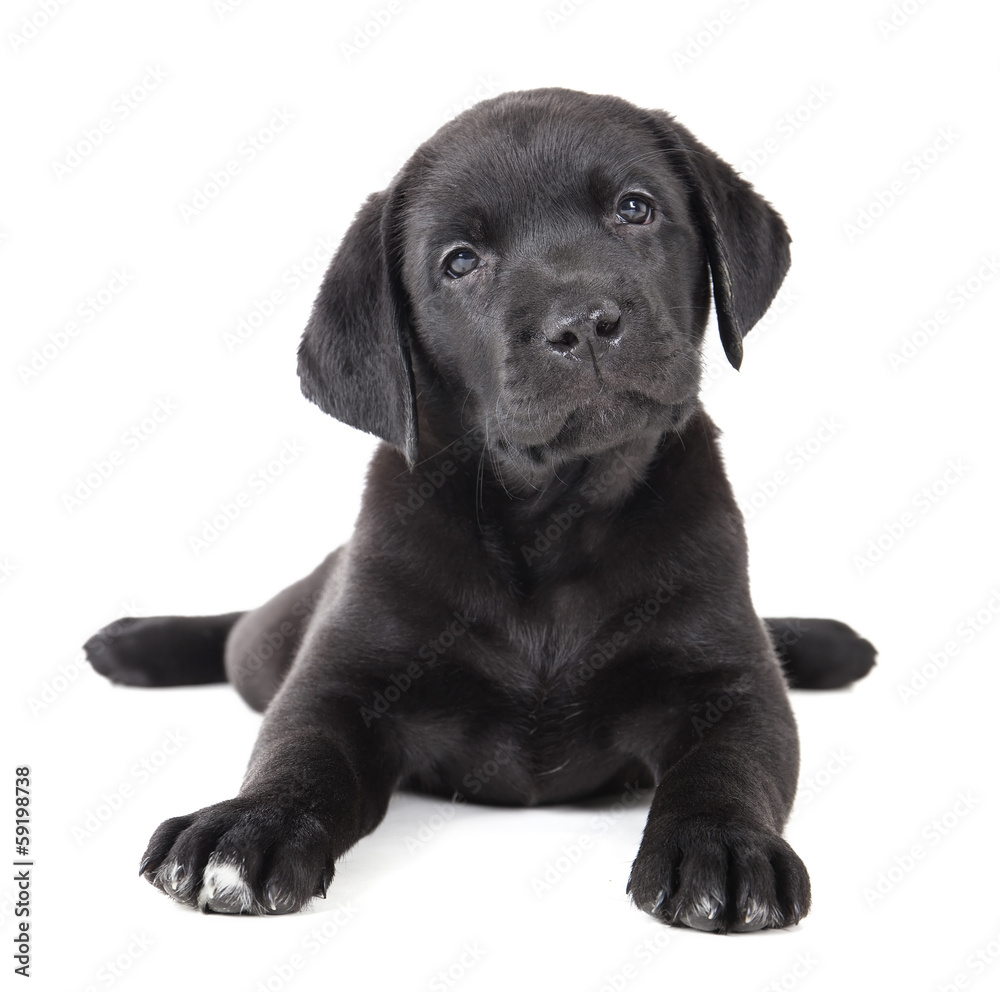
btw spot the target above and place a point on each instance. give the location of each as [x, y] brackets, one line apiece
[746, 239]
[354, 358]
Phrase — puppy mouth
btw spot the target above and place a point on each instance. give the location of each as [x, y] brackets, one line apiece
[589, 426]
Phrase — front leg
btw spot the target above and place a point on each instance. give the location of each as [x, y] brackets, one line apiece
[318, 781]
[712, 856]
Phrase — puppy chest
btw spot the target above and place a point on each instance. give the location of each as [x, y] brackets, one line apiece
[494, 741]
[521, 762]
[523, 710]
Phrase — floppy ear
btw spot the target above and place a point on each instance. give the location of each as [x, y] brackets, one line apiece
[354, 358]
[746, 239]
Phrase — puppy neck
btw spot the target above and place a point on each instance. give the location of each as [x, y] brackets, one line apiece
[530, 485]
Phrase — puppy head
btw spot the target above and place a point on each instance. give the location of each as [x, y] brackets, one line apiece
[543, 262]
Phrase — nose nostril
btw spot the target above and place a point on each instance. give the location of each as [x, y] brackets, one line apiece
[568, 327]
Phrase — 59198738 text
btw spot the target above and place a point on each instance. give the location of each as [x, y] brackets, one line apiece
[22, 870]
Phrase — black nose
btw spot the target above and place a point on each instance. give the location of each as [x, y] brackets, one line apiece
[598, 326]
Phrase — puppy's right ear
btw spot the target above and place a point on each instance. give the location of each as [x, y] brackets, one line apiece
[354, 358]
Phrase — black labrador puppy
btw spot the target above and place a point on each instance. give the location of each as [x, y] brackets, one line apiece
[549, 564]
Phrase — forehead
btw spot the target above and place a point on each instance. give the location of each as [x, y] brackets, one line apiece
[535, 160]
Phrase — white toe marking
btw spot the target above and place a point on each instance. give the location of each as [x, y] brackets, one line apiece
[225, 878]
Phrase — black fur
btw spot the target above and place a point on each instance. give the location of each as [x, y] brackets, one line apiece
[549, 563]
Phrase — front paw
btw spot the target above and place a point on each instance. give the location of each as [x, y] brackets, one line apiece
[720, 877]
[245, 855]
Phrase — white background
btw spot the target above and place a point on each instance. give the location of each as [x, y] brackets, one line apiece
[880, 774]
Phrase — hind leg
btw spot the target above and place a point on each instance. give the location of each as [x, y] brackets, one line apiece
[160, 651]
[253, 650]
[262, 644]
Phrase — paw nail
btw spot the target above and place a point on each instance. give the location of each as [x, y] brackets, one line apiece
[144, 865]
[176, 877]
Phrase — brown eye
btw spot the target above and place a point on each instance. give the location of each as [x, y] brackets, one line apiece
[461, 263]
[634, 210]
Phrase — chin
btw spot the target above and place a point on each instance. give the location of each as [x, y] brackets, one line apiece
[597, 425]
